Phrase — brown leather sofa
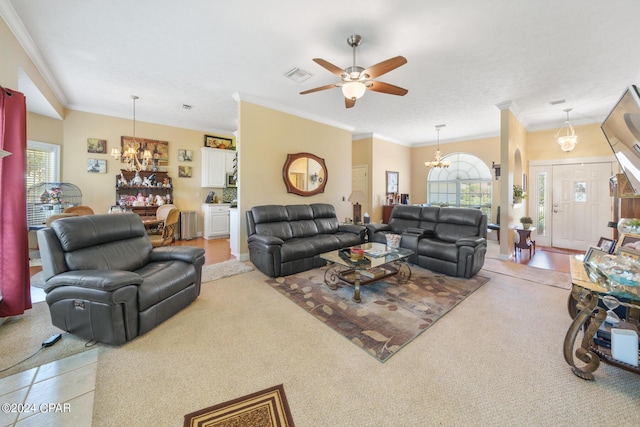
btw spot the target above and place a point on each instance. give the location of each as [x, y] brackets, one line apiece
[105, 282]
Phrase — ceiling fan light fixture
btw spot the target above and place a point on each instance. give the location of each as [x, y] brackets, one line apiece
[353, 90]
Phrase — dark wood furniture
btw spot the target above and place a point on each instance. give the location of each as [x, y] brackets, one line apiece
[134, 190]
[386, 213]
[525, 240]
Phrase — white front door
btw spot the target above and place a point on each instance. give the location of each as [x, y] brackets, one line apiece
[581, 205]
[359, 182]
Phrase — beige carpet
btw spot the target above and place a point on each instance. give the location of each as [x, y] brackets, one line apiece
[496, 360]
[531, 274]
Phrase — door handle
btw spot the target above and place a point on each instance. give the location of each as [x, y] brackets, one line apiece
[556, 211]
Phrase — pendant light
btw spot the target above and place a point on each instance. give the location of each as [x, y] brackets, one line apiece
[566, 137]
[437, 160]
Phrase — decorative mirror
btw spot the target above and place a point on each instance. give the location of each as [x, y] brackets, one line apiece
[304, 174]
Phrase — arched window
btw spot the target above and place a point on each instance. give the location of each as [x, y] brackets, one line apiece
[466, 183]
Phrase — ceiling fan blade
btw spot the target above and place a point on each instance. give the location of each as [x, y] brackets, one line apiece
[349, 102]
[317, 89]
[329, 66]
[387, 88]
[384, 67]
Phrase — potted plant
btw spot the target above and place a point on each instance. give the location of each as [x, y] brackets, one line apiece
[526, 222]
[518, 193]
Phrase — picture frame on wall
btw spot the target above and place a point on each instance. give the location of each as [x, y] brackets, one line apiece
[96, 146]
[185, 172]
[219, 142]
[392, 182]
[96, 166]
[159, 149]
[185, 155]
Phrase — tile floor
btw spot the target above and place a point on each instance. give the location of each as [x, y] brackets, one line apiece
[59, 393]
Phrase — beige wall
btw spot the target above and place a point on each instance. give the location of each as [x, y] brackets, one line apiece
[266, 136]
[541, 145]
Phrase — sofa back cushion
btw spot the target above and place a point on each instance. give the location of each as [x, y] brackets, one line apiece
[429, 217]
[103, 242]
[270, 220]
[325, 218]
[404, 217]
[456, 223]
[301, 220]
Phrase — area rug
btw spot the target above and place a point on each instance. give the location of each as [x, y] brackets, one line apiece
[224, 269]
[390, 315]
[525, 272]
[266, 408]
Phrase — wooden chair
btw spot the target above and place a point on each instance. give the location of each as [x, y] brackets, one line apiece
[161, 214]
[79, 210]
[168, 232]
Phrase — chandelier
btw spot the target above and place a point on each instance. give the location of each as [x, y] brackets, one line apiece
[566, 136]
[130, 156]
[437, 160]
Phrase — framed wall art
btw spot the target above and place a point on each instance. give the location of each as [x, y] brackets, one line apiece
[96, 166]
[185, 155]
[159, 149]
[392, 182]
[97, 146]
[219, 142]
[185, 171]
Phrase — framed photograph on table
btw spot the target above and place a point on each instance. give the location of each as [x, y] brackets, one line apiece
[607, 245]
[392, 182]
[629, 241]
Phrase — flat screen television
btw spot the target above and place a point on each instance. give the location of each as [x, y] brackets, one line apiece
[622, 130]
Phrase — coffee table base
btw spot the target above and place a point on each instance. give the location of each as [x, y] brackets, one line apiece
[337, 273]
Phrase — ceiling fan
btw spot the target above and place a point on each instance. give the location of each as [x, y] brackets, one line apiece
[357, 80]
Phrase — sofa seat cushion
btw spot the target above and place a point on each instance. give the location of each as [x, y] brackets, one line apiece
[162, 280]
[348, 239]
[308, 247]
[435, 248]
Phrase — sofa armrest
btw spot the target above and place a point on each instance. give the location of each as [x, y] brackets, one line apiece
[374, 228]
[265, 240]
[352, 228]
[102, 280]
[420, 232]
[188, 254]
[470, 241]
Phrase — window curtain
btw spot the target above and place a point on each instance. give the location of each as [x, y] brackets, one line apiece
[14, 248]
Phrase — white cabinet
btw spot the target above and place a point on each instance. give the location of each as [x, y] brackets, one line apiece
[214, 167]
[216, 220]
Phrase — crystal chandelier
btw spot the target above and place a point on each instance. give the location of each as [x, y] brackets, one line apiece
[567, 139]
[130, 156]
[437, 160]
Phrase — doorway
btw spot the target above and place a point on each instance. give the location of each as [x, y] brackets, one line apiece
[570, 203]
[360, 182]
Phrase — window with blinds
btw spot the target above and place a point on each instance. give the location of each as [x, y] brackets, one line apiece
[43, 165]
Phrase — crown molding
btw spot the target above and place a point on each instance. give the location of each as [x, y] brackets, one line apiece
[18, 29]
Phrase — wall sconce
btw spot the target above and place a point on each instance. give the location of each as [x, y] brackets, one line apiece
[314, 178]
[496, 169]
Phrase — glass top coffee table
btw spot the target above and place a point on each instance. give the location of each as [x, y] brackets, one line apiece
[379, 262]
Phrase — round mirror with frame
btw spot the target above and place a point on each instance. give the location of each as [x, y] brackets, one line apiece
[304, 174]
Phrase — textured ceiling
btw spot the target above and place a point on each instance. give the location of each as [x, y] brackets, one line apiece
[464, 58]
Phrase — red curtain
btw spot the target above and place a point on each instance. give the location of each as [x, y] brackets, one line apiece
[14, 246]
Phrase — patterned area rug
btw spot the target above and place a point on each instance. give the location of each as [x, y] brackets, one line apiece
[266, 408]
[390, 315]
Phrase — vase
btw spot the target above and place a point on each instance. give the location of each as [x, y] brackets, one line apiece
[629, 226]
[526, 226]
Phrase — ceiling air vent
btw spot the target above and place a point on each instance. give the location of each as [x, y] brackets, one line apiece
[297, 75]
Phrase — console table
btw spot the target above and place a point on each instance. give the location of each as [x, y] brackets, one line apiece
[588, 317]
